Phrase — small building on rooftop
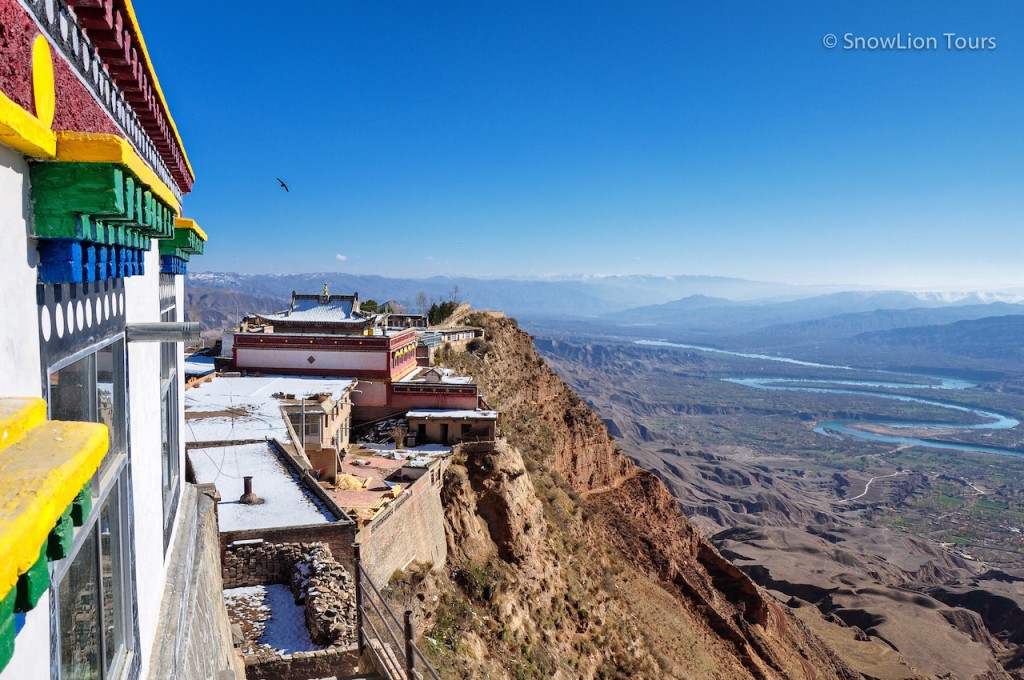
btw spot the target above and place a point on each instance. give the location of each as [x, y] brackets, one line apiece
[313, 414]
[453, 426]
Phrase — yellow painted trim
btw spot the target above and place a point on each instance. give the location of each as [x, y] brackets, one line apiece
[43, 91]
[92, 147]
[186, 223]
[156, 82]
[40, 475]
[20, 130]
[18, 416]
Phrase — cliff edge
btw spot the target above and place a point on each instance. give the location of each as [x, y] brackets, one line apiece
[568, 561]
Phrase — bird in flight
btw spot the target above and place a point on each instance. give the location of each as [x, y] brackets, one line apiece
[285, 186]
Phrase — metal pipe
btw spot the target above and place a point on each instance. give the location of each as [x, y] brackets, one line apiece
[410, 660]
[360, 641]
[165, 331]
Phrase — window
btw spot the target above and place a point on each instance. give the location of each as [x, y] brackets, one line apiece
[169, 408]
[92, 587]
[93, 601]
[92, 388]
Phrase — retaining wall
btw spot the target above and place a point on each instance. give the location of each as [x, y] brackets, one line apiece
[410, 530]
[338, 536]
[194, 638]
[323, 663]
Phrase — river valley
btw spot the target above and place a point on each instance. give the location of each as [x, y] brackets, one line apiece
[883, 498]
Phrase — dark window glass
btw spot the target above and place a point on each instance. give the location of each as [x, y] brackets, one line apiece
[79, 627]
[110, 389]
[71, 391]
[92, 389]
[91, 591]
[111, 564]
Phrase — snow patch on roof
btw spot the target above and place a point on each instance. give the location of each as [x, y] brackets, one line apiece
[246, 407]
[286, 501]
[477, 414]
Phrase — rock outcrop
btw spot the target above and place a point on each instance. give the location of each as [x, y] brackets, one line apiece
[567, 561]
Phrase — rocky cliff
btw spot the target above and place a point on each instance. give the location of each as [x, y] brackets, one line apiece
[568, 561]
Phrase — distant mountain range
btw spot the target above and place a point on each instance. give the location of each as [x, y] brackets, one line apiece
[576, 297]
[709, 305]
[996, 337]
[831, 315]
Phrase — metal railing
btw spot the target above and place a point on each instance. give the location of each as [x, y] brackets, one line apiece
[391, 642]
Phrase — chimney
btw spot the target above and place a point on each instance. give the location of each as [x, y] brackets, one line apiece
[249, 498]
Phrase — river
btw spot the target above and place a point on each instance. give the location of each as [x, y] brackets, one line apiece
[993, 420]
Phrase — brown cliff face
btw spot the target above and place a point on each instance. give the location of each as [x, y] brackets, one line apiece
[568, 561]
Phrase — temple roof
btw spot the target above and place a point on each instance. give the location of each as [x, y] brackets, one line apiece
[321, 309]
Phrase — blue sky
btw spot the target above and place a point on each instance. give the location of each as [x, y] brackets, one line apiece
[543, 138]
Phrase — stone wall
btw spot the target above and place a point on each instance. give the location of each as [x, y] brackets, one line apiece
[328, 592]
[259, 563]
[410, 530]
[194, 637]
[317, 581]
[322, 663]
[339, 536]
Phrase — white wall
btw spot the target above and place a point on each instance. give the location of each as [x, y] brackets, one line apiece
[20, 374]
[142, 304]
[19, 337]
[32, 646]
[285, 359]
[370, 393]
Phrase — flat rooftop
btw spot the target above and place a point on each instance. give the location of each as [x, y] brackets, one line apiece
[467, 414]
[240, 409]
[446, 376]
[199, 365]
[367, 490]
[287, 502]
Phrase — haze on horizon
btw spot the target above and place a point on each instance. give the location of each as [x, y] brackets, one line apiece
[533, 140]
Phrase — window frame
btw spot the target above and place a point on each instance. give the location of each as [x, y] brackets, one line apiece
[107, 484]
[170, 395]
[104, 477]
[126, 603]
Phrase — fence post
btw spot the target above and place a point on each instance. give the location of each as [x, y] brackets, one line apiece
[410, 660]
[360, 641]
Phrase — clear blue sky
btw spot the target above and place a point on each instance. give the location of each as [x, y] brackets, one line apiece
[543, 138]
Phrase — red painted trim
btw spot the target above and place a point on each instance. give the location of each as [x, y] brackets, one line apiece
[407, 337]
[75, 108]
[315, 342]
[108, 27]
[406, 388]
[290, 325]
[341, 372]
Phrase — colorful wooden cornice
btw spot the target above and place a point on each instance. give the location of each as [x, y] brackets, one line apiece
[96, 209]
[188, 240]
[97, 204]
[45, 491]
[112, 27]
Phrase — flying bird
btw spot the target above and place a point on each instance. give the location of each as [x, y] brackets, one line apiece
[285, 186]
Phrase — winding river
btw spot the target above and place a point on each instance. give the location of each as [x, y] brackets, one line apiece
[993, 420]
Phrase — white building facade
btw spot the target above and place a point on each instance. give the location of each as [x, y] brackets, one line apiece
[96, 521]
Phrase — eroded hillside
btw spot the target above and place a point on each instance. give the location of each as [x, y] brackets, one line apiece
[804, 526]
[566, 560]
